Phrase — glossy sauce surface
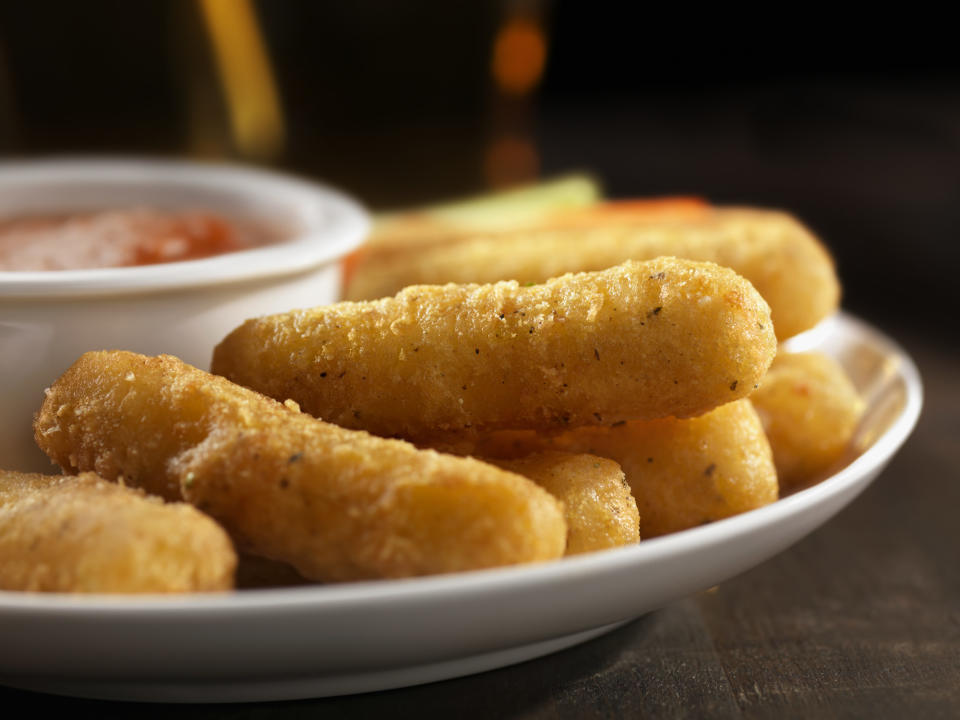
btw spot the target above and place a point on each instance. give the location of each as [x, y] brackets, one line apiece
[121, 238]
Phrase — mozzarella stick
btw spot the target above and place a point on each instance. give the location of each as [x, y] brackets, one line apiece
[682, 473]
[403, 233]
[810, 410]
[85, 535]
[597, 504]
[638, 341]
[335, 504]
[784, 261]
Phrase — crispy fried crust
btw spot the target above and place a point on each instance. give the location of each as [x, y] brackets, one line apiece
[810, 410]
[597, 504]
[414, 231]
[683, 473]
[335, 504]
[638, 341]
[784, 261]
[84, 535]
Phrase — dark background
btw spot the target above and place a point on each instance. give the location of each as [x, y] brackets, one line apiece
[853, 123]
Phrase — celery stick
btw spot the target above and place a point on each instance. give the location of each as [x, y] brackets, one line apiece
[508, 208]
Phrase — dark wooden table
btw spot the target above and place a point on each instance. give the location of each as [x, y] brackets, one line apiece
[859, 620]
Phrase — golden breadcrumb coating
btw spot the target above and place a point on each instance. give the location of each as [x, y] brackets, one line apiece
[782, 259]
[335, 504]
[413, 231]
[597, 504]
[637, 341]
[682, 473]
[82, 534]
[810, 409]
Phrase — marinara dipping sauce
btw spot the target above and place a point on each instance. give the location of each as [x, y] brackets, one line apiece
[121, 238]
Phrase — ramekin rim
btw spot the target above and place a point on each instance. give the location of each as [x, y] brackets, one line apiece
[345, 225]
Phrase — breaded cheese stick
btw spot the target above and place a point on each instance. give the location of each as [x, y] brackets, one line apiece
[335, 504]
[638, 341]
[781, 258]
[597, 504]
[83, 534]
[394, 239]
[682, 473]
[810, 409]
[413, 232]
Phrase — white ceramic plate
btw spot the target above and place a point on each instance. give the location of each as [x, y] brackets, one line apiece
[316, 641]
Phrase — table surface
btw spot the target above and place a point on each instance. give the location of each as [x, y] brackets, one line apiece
[860, 619]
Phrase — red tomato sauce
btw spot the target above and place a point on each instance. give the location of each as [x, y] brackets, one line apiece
[121, 238]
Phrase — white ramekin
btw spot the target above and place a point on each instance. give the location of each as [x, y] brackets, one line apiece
[47, 319]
